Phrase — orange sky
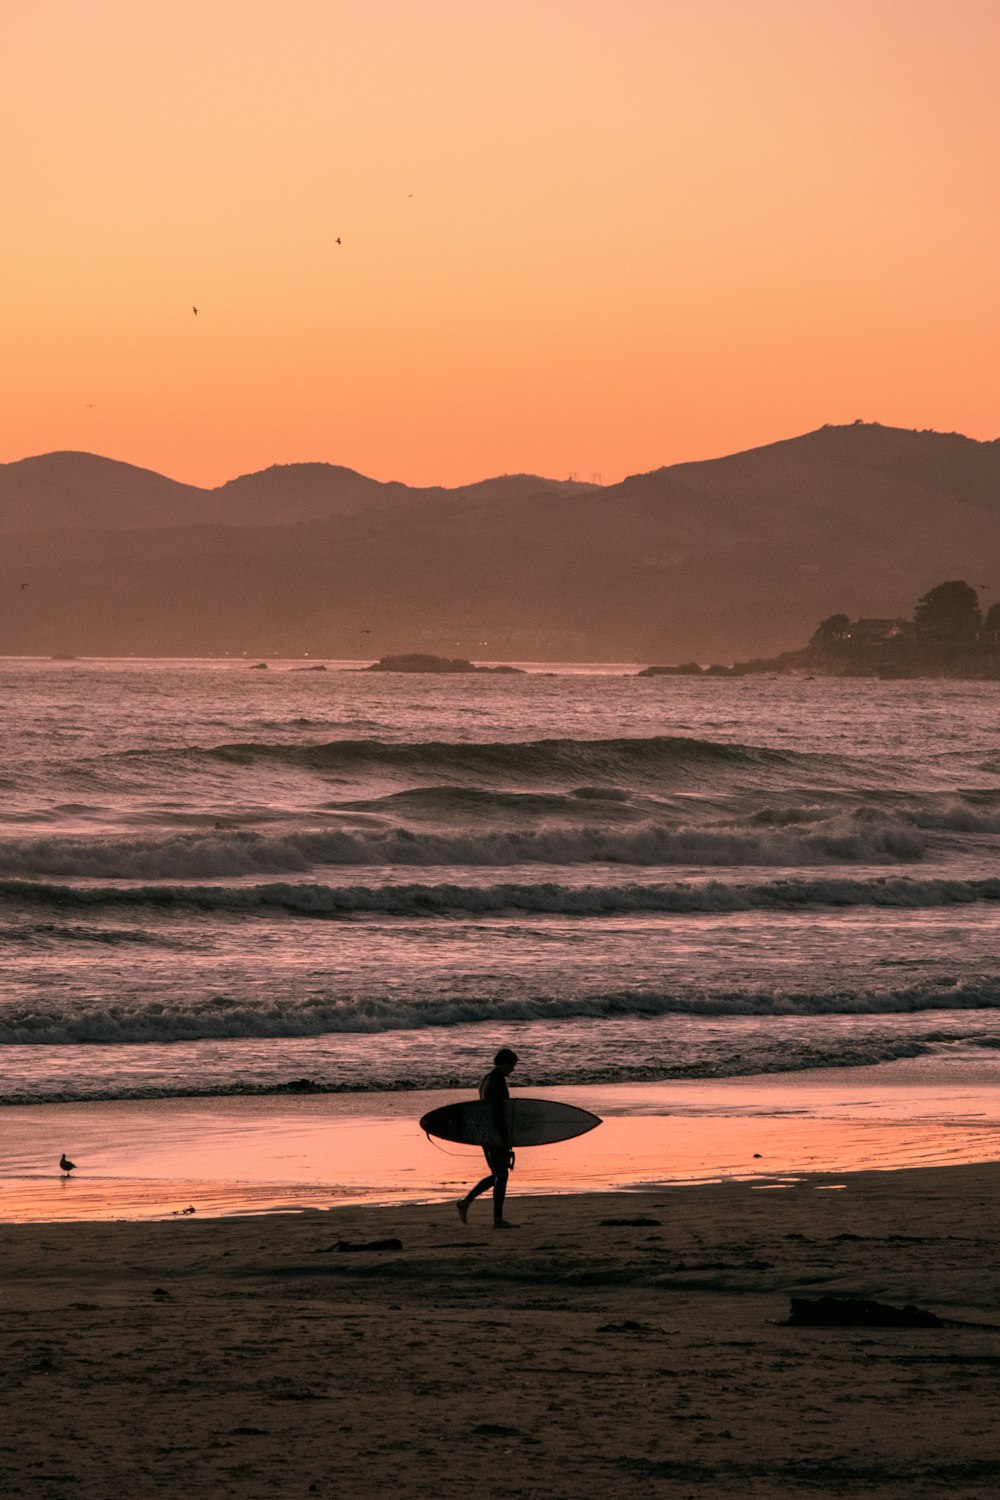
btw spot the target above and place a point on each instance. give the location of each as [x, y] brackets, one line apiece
[640, 230]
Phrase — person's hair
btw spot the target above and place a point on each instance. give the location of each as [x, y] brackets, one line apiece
[505, 1055]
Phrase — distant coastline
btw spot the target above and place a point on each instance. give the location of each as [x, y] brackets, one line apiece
[948, 637]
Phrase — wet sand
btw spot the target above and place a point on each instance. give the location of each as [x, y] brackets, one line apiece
[257, 1154]
[572, 1357]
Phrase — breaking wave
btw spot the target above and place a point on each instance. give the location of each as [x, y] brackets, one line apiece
[219, 1018]
[551, 898]
[214, 854]
[555, 759]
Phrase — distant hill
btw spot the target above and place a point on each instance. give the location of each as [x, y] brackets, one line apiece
[59, 490]
[713, 561]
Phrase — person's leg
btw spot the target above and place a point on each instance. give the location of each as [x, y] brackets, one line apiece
[499, 1194]
[500, 1162]
[480, 1187]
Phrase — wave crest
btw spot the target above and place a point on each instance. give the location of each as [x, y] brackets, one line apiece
[214, 854]
[548, 898]
[218, 1018]
[554, 759]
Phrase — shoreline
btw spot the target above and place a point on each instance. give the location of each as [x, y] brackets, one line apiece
[639, 1346]
[226, 1155]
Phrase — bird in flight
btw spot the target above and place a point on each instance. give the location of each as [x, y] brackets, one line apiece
[195, 311]
[66, 1165]
[337, 240]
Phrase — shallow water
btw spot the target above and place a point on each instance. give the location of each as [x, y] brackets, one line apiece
[213, 1156]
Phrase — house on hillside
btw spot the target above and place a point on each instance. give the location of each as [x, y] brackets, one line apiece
[873, 632]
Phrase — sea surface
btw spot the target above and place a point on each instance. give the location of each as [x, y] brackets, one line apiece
[216, 879]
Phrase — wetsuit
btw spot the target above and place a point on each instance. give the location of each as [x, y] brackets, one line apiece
[493, 1091]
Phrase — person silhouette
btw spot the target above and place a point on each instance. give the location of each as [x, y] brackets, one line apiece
[494, 1093]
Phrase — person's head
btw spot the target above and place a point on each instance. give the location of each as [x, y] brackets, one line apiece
[505, 1060]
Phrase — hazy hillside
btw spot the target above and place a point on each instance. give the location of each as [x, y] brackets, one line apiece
[59, 490]
[56, 490]
[718, 560]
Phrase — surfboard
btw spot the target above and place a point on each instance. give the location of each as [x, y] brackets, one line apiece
[533, 1122]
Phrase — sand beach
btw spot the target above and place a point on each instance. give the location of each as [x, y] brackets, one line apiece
[290, 1337]
[629, 1344]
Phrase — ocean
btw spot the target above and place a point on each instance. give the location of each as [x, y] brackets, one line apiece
[216, 879]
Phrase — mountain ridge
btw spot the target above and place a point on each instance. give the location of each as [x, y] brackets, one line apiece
[74, 488]
[719, 560]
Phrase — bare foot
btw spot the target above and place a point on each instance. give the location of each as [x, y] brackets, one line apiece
[503, 1224]
[463, 1210]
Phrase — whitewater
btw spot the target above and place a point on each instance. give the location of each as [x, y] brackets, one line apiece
[215, 879]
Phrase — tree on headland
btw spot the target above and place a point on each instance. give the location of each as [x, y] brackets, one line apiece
[991, 624]
[947, 637]
[950, 611]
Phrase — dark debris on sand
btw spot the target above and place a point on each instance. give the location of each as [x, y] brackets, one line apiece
[857, 1312]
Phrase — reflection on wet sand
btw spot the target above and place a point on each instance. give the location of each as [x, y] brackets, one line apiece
[254, 1155]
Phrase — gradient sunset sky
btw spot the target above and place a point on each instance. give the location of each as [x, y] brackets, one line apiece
[577, 235]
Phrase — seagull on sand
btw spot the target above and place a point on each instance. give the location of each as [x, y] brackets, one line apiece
[66, 1165]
